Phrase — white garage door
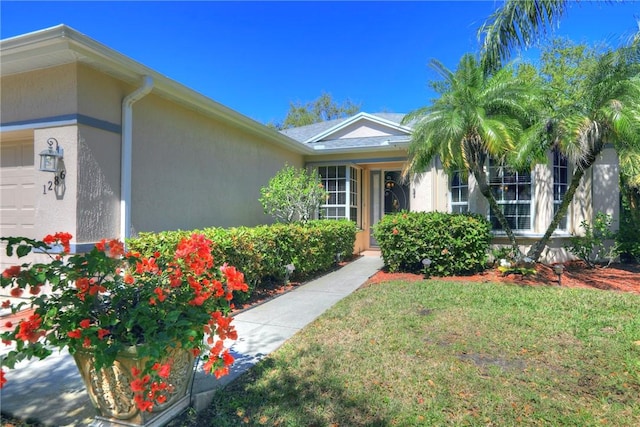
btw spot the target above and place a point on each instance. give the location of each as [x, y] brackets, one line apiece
[17, 189]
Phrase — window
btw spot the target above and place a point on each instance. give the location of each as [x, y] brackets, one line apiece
[459, 193]
[560, 184]
[512, 191]
[341, 182]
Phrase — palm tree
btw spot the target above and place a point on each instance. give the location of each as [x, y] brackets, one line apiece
[476, 116]
[518, 23]
[607, 111]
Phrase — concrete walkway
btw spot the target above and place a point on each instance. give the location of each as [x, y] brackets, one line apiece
[51, 391]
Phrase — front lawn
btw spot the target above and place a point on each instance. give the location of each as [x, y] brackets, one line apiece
[445, 353]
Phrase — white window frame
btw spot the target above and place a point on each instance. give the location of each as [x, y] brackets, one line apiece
[350, 191]
[503, 187]
[457, 193]
[560, 187]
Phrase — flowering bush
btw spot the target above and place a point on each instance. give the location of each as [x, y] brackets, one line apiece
[107, 300]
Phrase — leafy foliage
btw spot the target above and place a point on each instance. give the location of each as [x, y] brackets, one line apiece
[322, 109]
[263, 252]
[108, 301]
[597, 243]
[454, 243]
[628, 237]
[293, 195]
[476, 116]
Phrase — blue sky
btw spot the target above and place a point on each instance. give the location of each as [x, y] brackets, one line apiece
[257, 57]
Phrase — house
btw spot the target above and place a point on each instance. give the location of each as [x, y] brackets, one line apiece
[140, 152]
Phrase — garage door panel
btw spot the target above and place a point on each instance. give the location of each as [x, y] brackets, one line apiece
[17, 189]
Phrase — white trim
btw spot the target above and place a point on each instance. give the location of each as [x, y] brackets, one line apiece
[62, 45]
[354, 119]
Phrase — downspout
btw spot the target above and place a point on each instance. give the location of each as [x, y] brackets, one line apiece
[126, 154]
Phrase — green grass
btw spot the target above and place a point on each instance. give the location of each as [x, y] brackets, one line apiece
[436, 353]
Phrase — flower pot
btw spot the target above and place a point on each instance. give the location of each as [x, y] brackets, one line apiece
[110, 390]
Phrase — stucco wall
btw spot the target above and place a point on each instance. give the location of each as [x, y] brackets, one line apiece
[192, 171]
[98, 209]
[56, 205]
[39, 94]
[365, 129]
[100, 96]
[605, 187]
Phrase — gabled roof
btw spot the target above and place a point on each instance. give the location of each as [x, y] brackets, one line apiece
[334, 135]
[63, 45]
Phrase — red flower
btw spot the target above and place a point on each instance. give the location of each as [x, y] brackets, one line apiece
[8, 325]
[161, 296]
[75, 334]
[63, 238]
[86, 343]
[101, 245]
[13, 271]
[102, 333]
[6, 304]
[164, 371]
[128, 279]
[34, 290]
[84, 324]
[16, 292]
[3, 380]
[29, 329]
[235, 279]
[395, 231]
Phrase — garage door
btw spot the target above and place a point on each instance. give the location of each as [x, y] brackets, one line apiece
[17, 189]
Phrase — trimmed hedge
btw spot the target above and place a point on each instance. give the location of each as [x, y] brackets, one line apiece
[455, 243]
[262, 252]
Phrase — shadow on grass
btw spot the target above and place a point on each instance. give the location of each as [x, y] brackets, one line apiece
[292, 393]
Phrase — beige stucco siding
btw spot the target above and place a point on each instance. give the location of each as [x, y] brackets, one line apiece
[98, 184]
[605, 185]
[100, 96]
[366, 129]
[193, 171]
[56, 205]
[51, 92]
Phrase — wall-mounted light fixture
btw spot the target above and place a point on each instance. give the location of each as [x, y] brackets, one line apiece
[50, 158]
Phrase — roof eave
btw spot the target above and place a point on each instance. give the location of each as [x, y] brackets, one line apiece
[63, 39]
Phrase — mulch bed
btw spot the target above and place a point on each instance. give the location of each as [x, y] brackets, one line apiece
[616, 277]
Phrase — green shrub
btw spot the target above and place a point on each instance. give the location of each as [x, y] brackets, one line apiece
[628, 238]
[262, 252]
[455, 243]
[596, 243]
[293, 195]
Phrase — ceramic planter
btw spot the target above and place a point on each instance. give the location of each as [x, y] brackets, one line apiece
[111, 395]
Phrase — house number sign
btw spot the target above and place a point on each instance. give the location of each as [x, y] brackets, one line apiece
[51, 185]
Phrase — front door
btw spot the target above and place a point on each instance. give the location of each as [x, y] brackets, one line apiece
[389, 194]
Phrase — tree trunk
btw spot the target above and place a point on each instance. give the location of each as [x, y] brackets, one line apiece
[536, 249]
[485, 190]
